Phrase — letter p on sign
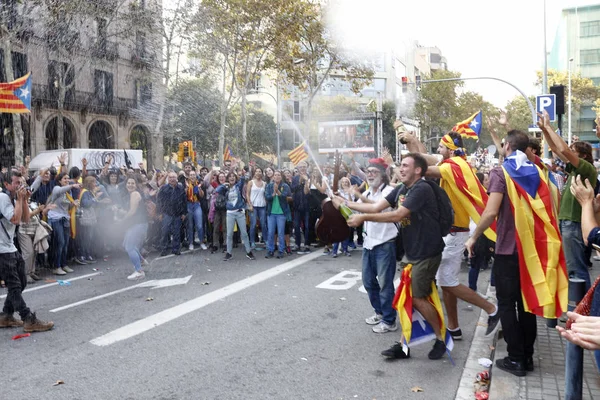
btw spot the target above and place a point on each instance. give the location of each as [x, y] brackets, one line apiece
[546, 102]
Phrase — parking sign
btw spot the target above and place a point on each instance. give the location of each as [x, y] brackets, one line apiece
[547, 102]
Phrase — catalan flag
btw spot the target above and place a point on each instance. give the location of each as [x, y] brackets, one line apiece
[404, 304]
[544, 282]
[470, 127]
[466, 193]
[298, 154]
[15, 96]
[227, 153]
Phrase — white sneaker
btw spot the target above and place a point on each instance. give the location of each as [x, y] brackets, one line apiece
[67, 269]
[374, 320]
[191, 247]
[382, 327]
[58, 271]
[203, 246]
[137, 275]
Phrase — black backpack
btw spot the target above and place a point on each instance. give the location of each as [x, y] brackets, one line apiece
[444, 206]
[221, 201]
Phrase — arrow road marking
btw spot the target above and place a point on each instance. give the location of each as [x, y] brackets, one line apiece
[55, 283]
[172, 313]
[159, 283]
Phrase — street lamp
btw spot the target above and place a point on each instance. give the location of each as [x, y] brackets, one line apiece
[569, 111]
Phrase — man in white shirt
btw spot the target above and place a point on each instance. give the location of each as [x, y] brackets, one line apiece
[379, 250]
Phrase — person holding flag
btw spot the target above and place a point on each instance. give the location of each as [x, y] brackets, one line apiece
[468, 198]
[529, 265]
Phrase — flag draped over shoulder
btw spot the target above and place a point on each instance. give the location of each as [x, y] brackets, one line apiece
[544, 282]
[470, 127]
[298, 154]
[464, 188]
[403, 302]
[227, 153]
[15, 96]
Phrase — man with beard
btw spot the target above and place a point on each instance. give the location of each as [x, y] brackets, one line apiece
[379, 248]
[418, 214]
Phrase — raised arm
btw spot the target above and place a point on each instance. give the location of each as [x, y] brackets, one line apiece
[558, 146]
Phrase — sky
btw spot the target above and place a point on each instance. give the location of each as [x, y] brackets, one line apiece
[478, 38]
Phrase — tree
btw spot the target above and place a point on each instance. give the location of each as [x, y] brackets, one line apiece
[261, 129]
[583, 90]
[518, 113]
[338, 105]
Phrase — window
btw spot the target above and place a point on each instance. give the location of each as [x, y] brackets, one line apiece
[589, 28]
[590, 56]
[61, 74]
[296, 110]
[140, 44]
[103, 88]
[102, 33]
[19, 63]
[145, 92]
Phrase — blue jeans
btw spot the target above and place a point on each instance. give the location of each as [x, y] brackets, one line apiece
[194, 218]
[300, 216]
[574, 249]
[378, 271]
[171, 226]
[345, 244]
[261, 213]
[276, 221]
[84, 239]
[240, 218]
[61, 232]
[133, 243]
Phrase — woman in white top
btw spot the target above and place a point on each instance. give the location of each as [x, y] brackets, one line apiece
[257, 206]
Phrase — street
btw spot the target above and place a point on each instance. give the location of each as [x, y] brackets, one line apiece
[233, 330]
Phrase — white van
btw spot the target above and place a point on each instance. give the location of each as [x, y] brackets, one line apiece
[96, 158]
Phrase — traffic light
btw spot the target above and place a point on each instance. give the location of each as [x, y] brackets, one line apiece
[185, 150]
[418, 82]
[404, 84]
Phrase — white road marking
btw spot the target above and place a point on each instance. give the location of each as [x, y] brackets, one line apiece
[159, 283]
[172, 313]
[56, 283]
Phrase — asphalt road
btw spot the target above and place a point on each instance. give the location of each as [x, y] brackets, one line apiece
[236, 330]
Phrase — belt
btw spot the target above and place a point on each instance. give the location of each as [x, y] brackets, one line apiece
[456, 229]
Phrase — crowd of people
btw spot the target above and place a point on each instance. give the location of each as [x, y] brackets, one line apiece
[56, 219]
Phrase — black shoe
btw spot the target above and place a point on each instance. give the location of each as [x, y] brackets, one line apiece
[280, 255]
[493, 324]
[456, 335]
[438, 351]
[164, 253]
[227, 257]
[177, 252]
[513, 367]
[250, 256]
[396, 352]
[529, 364]
[269, 254]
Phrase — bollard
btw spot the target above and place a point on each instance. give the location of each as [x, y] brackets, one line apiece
[574, 353]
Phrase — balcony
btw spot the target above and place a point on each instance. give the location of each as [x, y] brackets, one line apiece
[105, 49]
[23, 26]
[62, 38]
[142, 59]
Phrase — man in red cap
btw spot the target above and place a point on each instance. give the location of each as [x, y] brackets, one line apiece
[379, 249]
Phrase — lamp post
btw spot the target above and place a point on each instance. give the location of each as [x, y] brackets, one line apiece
[569, 110]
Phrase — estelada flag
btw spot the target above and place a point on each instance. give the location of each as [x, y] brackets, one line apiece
[542, 266]
[227, 153]
[403, 302]
[470, 127]
[465, 190]
[15, 96]
[298, 154]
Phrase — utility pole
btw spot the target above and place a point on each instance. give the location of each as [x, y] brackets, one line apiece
[379, 124]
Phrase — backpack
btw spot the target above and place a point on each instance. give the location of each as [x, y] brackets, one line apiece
[221, 201]
[444, 207]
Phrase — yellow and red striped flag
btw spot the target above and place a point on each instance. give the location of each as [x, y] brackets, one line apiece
[227, 153]
[298, 154]
[465, 191]
[543, 272]
[15, 96]
[470, 127]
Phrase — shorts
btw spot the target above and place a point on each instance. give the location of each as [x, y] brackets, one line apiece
[448, 273]
[423, 274]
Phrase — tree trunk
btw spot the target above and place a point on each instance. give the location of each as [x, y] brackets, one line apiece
[60, 123]
[244, 125]
[157, 144]
[18, 135]
[223, 114]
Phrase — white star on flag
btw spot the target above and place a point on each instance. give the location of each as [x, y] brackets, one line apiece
[24, 93]
[474, 123]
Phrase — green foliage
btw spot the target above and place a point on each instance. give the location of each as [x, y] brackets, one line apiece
[338, 105]
[261, 130]
[518, 114]
[583, 90]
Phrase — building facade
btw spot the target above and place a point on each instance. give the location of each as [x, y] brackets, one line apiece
[578, 38]
[97, 65]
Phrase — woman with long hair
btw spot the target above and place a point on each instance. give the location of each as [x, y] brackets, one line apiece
[278, 212]
[268, 174]
[60, 220]
[257, 206]
[236, 206]
[136, 219]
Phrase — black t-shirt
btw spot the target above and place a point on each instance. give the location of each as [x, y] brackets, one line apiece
[421, 232]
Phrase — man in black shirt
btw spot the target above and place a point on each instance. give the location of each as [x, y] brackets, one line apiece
[172, 207]
[417, 212]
